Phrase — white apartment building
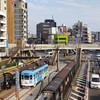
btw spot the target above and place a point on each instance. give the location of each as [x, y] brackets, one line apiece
[21, 19]
[52, 32]
[82, 31]
[3, 27]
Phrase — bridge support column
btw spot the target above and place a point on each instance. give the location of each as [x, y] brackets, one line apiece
[57, 60]
[66, 52]
[78, 57]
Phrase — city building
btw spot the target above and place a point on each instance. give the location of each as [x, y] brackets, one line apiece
[43, 29]
[52, 32]
[93, 36]
[3, 27]
[97, 36]
[10, 21]
[72, 40]
[81, 30]
[60, 39]
[21, 20]
[62, 29]
[89, 38]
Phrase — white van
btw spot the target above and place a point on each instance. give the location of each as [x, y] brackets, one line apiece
[95, 81]
[48, 54]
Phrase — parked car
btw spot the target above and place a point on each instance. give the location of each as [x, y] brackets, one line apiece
[95, 81]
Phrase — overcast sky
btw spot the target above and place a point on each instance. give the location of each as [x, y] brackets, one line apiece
[65, 12]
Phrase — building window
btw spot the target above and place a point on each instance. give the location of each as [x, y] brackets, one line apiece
[4, 8]
[4, 1]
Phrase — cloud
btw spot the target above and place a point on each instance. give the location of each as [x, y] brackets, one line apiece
[38, 7]
[42, 1]
[72, 4]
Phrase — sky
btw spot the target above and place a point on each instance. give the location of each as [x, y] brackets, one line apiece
[65, 12]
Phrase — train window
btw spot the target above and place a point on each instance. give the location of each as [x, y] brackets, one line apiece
[34, 76]
[22, 77]
[26, 77]
[31, 77]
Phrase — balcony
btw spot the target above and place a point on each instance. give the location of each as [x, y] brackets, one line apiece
[2, 14]
[3, 29]
[2, 44]
[2, 21]
[3, 37]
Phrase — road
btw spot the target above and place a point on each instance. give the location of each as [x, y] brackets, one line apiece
[94, 94]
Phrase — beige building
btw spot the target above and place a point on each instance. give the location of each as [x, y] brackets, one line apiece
[21, 19]
[3, 27]
[89, 38]
[10, 21]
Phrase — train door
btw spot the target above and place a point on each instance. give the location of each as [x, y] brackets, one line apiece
[39, 76]
[35, 80]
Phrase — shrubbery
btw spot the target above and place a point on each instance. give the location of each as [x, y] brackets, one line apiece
[10, 65]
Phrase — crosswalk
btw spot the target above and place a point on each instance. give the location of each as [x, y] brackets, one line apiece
[77, 92]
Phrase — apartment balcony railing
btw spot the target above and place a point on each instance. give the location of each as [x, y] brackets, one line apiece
[2, 14]
[2, 54]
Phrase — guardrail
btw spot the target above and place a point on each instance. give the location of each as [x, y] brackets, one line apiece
[4, 60]
[67, 46]
[10, 69]
[87, 82]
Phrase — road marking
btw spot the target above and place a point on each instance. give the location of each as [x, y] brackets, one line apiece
[80, 83]
[76, 94]
[81, 77]
[81, 80]
[79, 88]
[79, 91]
[73, 98]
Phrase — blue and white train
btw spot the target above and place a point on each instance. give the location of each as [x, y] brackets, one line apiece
[31, 78]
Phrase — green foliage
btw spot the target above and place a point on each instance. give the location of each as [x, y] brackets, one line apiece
[10, 65]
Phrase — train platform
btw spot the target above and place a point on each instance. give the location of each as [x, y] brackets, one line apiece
[5, 93]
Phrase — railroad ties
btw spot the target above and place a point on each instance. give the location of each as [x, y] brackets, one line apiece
[78, 90]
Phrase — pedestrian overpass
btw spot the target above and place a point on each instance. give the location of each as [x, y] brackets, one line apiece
[62, 47]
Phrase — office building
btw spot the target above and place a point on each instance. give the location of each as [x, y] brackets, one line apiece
[43, 30]
[10, 21]
[21, 20]
[97, 36]
[60, 39]
[3, 27]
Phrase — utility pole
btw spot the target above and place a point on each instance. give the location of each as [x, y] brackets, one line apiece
[57, 59]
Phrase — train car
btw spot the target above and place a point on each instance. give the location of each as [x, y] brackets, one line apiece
[1, 82]
[32, 77]
[60, 84]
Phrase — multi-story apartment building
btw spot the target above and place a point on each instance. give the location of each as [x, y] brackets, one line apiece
[21, 19]
[82, 31]
[97, 36]
[43, 30]
[3, 27]
[10, 21]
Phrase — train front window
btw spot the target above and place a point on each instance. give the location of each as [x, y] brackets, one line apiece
[22, 76]
[31, 77]
[26, 77]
